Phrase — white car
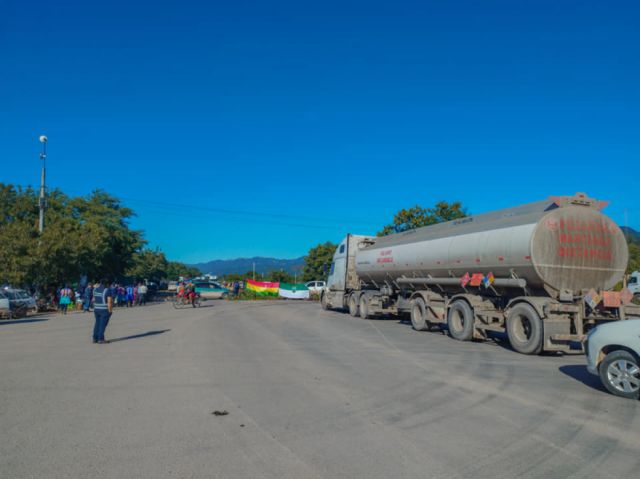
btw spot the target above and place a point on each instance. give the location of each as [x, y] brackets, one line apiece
[315, 287]
[613, 353]
[5, 306]
[20, 302]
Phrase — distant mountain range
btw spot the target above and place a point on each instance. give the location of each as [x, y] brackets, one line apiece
[632, 235]
[220, 267]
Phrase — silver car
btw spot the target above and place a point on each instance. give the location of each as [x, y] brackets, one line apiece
[613, 353]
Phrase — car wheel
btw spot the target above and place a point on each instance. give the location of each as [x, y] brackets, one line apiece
[620, 374]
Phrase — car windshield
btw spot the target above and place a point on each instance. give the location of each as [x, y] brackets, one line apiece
[633, 280]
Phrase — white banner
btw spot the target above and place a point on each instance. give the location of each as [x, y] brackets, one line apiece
[294, 294]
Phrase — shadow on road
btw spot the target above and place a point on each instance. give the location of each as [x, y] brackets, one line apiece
[20, 321]
[141, 335]
[579, 373]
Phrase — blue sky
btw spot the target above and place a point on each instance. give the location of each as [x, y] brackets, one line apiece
[262, 128]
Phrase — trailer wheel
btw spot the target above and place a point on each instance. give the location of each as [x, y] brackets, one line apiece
[353, 305]
[419, 315]
[460, 321]
[364, 307]
[323, 302]
[524, 328]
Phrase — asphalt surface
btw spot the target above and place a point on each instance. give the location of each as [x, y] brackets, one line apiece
[309, 394]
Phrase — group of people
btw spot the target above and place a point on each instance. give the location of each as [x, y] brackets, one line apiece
[129, 296]
[187, 292]
[103, 297]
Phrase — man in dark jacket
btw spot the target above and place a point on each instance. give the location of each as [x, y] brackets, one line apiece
[87, 297]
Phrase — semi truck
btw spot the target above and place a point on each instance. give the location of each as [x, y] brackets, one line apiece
[542, 273]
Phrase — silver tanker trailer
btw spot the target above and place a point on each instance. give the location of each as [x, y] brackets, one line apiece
[542, 272]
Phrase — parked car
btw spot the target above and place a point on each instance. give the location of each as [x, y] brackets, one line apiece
[20, 302]
[210, 290]
[5, 306]
[613, 353]
[173, 286]
[315, 287]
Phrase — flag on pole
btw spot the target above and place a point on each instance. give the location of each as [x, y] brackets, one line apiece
[488, 280]
[465, 280]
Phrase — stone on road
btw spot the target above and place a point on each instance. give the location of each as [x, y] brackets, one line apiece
[285, 390]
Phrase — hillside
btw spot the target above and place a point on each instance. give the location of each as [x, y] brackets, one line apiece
[632, 235]
[221, 267]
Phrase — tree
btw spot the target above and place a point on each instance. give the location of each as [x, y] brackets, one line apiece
[176, 269]
[280, 277]
[149, 264]
[634, 257]
[417, 216]
[83, 236]
[318, 261]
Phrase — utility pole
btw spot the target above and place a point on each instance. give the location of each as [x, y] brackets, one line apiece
[43, 157]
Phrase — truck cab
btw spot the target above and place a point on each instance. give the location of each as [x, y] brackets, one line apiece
[342, 275]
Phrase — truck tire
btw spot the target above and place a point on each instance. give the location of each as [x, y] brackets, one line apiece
[419, 315]
[524, 329]
[460, 321]
[324, 303]
[620, 374]
[353, 305]
[364, 307]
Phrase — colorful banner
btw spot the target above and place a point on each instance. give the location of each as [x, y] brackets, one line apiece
[293, 291]
[263, 287]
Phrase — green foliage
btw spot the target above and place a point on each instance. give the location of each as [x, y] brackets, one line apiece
[175, 270]
[280, 277]
[318, 261]
[417, 216]
[634, 258]
[82, 236]
[231, 277]
[148, 264]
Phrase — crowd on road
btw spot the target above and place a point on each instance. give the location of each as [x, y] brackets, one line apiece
[82, 299]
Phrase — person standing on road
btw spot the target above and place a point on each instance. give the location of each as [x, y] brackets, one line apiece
[130, 296]
[102, 309]
[87, 297]
[142, 294]
[65, 298]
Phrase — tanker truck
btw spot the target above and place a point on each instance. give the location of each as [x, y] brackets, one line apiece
[542, 273]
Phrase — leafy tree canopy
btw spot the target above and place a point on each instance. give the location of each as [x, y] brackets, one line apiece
[82, 236]
[417, 216]
[317, 262]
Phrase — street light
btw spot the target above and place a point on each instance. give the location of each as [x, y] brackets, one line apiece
[43, 157]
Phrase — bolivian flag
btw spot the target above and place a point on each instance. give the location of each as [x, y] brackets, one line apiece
[263, 288]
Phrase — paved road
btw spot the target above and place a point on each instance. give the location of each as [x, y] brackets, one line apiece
[310, 394]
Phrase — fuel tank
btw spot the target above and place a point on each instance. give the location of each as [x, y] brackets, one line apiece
[561, 244]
